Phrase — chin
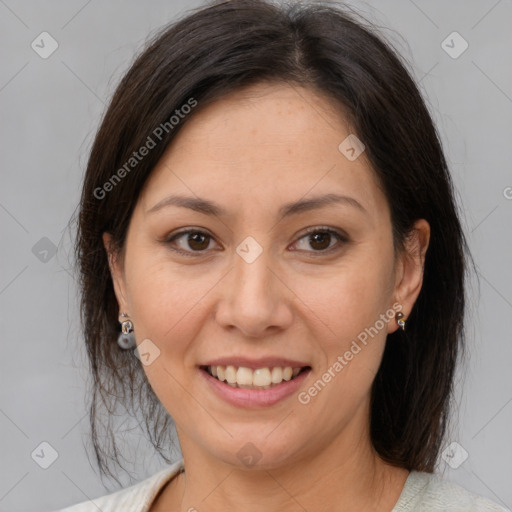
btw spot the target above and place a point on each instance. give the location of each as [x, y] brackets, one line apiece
[256, 449]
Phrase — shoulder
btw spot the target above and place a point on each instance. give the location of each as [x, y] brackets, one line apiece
[424, 492]
[136, 497]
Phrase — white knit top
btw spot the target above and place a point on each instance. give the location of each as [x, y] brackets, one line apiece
[422, 492]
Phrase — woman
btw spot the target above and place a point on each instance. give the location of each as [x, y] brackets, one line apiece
[268, 216]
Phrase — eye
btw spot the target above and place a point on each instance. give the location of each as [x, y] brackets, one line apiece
[196, 240]
[320, 239]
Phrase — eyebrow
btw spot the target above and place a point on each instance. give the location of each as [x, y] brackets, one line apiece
[210, 208]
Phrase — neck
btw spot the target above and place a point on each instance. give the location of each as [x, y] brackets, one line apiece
[345, 475]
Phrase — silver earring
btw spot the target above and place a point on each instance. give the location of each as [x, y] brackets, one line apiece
[400, 320]
[126, 338]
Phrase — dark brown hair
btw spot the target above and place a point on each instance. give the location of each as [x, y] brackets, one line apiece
[210, 53]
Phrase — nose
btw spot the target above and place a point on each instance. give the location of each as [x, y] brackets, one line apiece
[254, 298]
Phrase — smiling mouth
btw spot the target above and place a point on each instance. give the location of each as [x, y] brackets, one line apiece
[247, 378]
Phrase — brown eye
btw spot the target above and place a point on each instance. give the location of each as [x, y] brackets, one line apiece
[321, 240]
[189, 242]
[197, 241]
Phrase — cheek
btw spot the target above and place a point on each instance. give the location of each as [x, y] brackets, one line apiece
[167, 309]
[166, 299]
[353, 343]
[351, 297]
[352, 331]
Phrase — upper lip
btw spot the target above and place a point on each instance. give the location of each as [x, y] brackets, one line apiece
[264, 362]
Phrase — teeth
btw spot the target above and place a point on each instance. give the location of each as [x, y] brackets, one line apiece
[244, 376]
[230, 374]
[262, 378]
[277, 375]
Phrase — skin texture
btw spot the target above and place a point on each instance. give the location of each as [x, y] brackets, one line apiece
[251, 152]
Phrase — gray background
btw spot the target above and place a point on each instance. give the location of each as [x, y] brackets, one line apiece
[50, 109]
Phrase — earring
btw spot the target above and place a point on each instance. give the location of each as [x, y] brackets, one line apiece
[400, 320]
[126, 338]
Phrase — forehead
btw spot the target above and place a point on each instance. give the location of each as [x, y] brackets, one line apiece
[263, 144]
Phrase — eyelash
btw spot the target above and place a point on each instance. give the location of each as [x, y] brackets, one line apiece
[193, 254]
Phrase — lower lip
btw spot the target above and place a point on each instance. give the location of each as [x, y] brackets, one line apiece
[254, 397]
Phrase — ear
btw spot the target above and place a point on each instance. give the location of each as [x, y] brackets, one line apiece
[115, 264]
[410, 268]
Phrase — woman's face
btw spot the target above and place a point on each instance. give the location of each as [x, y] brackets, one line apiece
[252, 289]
